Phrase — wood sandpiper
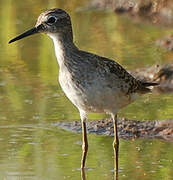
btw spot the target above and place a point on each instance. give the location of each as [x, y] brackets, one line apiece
[91, 82]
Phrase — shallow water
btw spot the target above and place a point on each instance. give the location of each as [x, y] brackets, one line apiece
[31, 146]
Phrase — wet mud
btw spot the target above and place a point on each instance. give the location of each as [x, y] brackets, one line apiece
[127, 129]
[162, 74]
[155, 11]
[166, 43]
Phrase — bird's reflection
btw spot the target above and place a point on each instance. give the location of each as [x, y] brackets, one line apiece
[116, 174]
[116, 155]
[83, 176]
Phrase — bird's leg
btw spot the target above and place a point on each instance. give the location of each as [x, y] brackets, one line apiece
[84, 144]
[84, 139]
[115, 145]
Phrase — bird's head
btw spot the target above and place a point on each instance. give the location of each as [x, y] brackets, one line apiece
[53, 21]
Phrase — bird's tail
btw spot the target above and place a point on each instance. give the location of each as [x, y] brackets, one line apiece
[144, 87]
[148, 84]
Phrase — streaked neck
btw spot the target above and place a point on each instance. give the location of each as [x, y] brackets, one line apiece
[63, 44]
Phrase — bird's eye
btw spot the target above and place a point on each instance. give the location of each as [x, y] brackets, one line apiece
[51, 20]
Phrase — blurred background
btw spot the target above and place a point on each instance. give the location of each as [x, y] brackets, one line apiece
[31, 100]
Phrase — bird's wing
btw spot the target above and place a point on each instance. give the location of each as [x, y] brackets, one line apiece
[131, 84]
[114, 73]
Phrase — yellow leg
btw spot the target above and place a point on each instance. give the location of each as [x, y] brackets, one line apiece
[115, 146]
[84, 144]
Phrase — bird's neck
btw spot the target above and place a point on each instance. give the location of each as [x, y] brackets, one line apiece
[63, 43]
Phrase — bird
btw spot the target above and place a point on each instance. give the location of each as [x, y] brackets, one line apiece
[94, 84]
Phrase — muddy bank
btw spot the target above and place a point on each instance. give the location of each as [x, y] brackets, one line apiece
[163, 74]
[127, 129]
[166, 43]
[156, 11]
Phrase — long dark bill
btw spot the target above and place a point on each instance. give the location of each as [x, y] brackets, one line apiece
[25, 34]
